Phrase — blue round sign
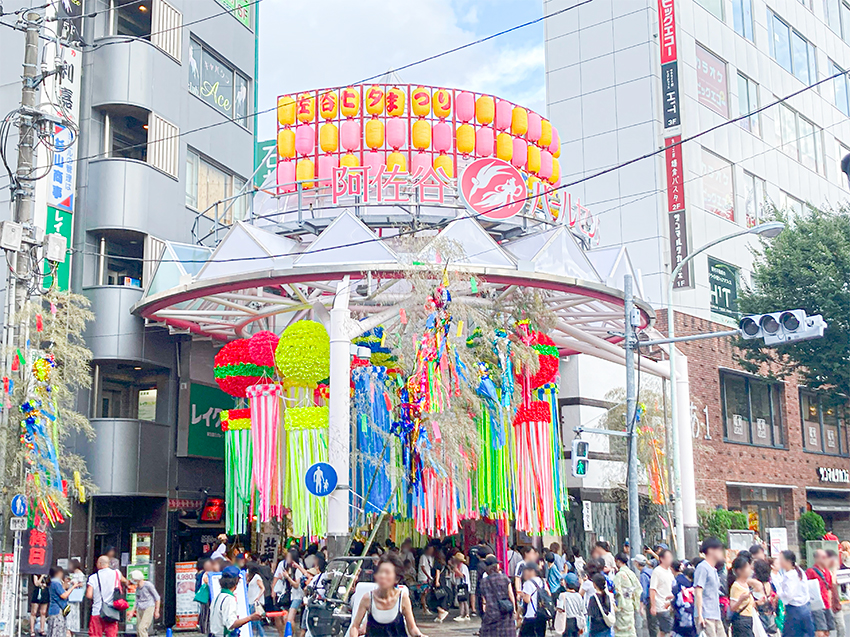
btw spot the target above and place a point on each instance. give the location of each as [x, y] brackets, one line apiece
[19, 506]
[321, 479]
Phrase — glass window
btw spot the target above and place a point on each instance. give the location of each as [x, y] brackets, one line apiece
[711, 82]
[843, 179]
[840, 87]
[748, 101]
[791, 50]
[790, 204]
[831, 14]
[750, 410]
[845, 21]
[808, 149]
[714, 7]
[218, 83]
[755, 199]
[788, 124]
[717, 186]
[824, 426]
[742, 16]
[780, 42]
[209, 190]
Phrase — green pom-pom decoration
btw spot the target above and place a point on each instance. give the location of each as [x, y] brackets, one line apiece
[303, 354]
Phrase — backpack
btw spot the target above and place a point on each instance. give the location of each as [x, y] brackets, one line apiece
[545, 606]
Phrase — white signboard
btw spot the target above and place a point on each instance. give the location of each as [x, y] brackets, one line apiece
[241, 600]
[778, 540]
[587, 516]
[17, 524]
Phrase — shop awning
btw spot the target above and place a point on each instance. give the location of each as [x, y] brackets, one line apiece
[210, 526]
[830, 505]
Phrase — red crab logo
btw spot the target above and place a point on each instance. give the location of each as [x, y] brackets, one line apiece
[493, 189]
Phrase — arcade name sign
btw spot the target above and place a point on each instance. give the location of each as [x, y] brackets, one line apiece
[832, 475]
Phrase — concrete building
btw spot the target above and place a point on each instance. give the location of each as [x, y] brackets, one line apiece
[165, 92]
[613, 101]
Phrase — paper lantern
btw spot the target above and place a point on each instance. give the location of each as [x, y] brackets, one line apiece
[503, 114]
[233, 370]
[465, 106]
[328, 137]
[484, 142]
[535, 127]
[519, 154]
[286, 143]
[328, 105]
[442, 134]
[519, 120]
[395, 102]
[374, 100]
[465, 139]
[485, 109]
[327, 163]
[533, 159]
[349, 161]
[350, 102]
[420, 101]
[303, 353]
[504, 146]
[261, 347]
[442, 103]
[556, 173]
[374, 160]
[374, 133]
[555, 146]
[305, 109]
[396, 133]
[545, 134]
[286, 175]
[304, 171]
[545, 164]
[350, 134]
[286, 110]
[421, 134]
[420, 162]
[305, 139]
[444, 162]
[397, 159]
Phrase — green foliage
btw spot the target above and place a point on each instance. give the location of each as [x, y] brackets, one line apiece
[717, 522]
[806, 267]
[811, 526]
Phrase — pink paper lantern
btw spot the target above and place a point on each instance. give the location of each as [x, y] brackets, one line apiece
[327, 163]
[442, 137]
[504, 112]
[374, 160]
[286, 175]
[535, 129]
[520, 154]
[465, 106]
[485, 141]
[420, 162]
[305, 139]
[350, 133]
[553, 147]
[545, 165]
[396, 132]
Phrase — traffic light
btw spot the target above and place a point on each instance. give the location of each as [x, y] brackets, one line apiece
[579, 457]
[782, 327]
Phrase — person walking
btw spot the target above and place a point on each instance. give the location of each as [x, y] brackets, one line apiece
[741, 603]
[600, 607]
[387, 609]
[661, 592]
[220, 550]
[789, 580]
[100, 589]
[627, 590]
[645, 576]
[498, 611]
[684, 624]
[425, 576]
[707, 589]
[438, 595]
[256, 596]
[58, 601]
[571, 612]
[147, 606]
[462, 586]
[765, 596]
[823, 618]
[38, 604]
[533, 622]
[224, 619]
[289, 571]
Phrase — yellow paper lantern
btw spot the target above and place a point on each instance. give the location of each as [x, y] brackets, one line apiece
[349, 161]
[374, 133]
[485, 109]
[444, 162]
[306, 107]
[556, 172]
[374, 102]
[557, 152]
[533, 162]
[421, 134]
[286, 110]
[328, 137]
[397, 159]
[504, 146]
[519, 121]
[545, 134]
[286, 142]
[305, 170]
[442, 103]
[420, 101]
[350, 102]
[395, 102]
[465, 139]
[328, 105]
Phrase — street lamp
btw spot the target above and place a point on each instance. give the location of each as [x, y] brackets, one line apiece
[766, 230]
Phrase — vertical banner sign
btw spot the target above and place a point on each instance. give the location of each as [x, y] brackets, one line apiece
[670, 83]
[723, 281]
[37, 553]
[669, 63]
[186, 608]
[7, 595]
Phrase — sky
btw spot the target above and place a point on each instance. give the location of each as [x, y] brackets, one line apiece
[323, 43]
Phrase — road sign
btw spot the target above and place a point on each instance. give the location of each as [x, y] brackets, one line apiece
[321, 479]
[17, 524]
[19, 506]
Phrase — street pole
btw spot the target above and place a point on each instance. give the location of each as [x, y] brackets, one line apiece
[635, 541]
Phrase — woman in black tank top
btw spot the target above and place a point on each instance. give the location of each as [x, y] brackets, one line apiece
[387, 609]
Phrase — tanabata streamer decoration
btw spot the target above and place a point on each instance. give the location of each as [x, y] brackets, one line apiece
[238, 455]
[303, 354]
[549, 395]
[265, 420]
[306, 444]
[234, 370]
[534, 492]
[372, 412]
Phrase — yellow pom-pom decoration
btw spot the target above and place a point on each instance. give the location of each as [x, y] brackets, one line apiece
[303, 354]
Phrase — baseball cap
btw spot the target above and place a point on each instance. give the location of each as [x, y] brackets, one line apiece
[571, 580]
[491, 559]
[639, 559]
[136, 576]
[230, 571]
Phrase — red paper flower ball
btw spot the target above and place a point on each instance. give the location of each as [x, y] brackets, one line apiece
[261, 347]
[547, 355]
[234, 372]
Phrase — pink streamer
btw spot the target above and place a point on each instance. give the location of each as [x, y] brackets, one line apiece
[265, 420]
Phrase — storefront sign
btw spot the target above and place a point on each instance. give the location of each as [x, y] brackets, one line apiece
[140, 548]
[679, 248]
[388, 186]
[186, 608]
[37, 552]
[838, 476]
[723, 281]
[206, 438]
[711, 82]
[7, 595]
[265, 158]
[184, 504]
[492, 188]
[675, 173]
[240, 9]
[670, 84]
[667, 30]
[587, 516]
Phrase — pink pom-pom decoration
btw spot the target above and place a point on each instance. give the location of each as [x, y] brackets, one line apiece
[261, 347]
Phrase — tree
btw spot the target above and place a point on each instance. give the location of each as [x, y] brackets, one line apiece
[811, 526]
[806, 267]
[717, 522]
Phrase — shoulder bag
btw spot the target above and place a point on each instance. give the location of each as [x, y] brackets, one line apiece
[108, 611]
[609, 617]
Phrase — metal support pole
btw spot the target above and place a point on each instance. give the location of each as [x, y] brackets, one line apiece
[635, 541]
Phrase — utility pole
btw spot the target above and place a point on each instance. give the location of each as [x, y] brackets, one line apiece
[635, 540]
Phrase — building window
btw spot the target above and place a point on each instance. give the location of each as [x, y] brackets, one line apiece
[748, 101]
[127, 390]
[841, 86]
[751, 410]
[791, 50]
[801, 139]
[218, 83]
[131, 18]
[843, 179]
[824, 426]
[763, 507]
[837, 14]
[717, 186]
[790, 204]
[714, 7]
[130, 132]
[711, 82]
[154, 20]
[214, 191]
[120, 256]
[742, 15]
[167, 25]
[755, 199]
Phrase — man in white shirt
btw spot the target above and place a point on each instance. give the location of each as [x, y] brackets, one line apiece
[424, 575]
[100, 589]
[661, 592]
[224, 620]
[221, 549]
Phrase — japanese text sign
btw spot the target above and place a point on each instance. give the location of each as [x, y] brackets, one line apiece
[37, 553]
